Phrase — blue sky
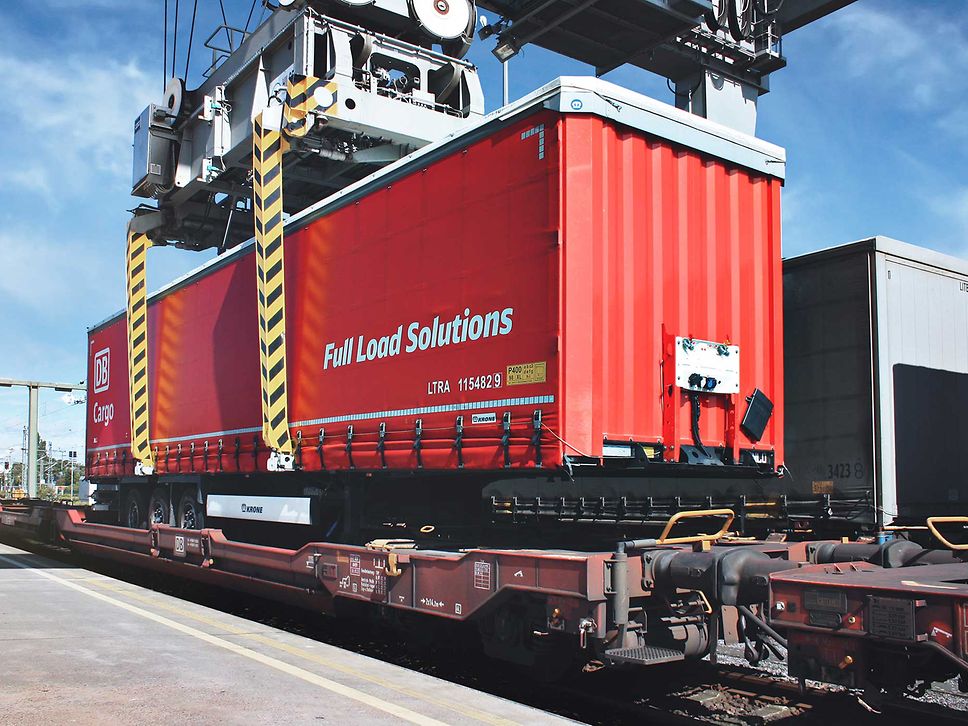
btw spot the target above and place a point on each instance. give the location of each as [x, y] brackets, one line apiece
[872, 110]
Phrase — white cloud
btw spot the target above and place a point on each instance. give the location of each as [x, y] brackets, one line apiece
[77, 114]
[896, 70]
[30, 177]
[915, 53]
[955, 122]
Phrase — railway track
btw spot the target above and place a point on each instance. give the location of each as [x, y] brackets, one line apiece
[728, 693]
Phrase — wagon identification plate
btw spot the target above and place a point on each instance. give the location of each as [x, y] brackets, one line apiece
[522, 373]
[892, 617]
[825, 609]
[834, 602]
[363, 575]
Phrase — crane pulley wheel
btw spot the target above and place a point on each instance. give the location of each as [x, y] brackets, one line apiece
[444, 19]
[740, 17]
[175, 96]
[716, 17]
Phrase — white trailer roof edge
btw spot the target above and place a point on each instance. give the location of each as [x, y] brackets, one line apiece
[888, 246]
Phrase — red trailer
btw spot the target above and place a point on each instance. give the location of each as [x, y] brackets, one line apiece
[586, 277]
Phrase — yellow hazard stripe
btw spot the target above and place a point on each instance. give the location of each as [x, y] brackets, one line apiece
[303, 94]
[137, 318]
[267, 150]
[260, 272]
[268, 147]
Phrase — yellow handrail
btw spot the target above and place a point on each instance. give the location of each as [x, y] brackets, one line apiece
[697, 514]
[932, 521]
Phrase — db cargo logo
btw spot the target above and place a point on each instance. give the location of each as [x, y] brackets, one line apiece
[416, 336]
[102, 370]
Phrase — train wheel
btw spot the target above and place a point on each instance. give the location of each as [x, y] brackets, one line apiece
[190, 515]
[159, 507]
[134, 513]
[515, 632]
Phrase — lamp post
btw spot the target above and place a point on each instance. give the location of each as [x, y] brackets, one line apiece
[71, 462]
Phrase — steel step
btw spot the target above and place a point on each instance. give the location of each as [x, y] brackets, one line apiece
[645, 655]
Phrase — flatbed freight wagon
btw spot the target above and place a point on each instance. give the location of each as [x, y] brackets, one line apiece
[587, 279]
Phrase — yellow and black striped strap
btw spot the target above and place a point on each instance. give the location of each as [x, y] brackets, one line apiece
[267, 150]
[305, 94]
[137, 319]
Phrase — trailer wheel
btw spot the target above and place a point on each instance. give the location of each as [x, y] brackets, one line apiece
[159, 507]
[190, 515]
[134, 514]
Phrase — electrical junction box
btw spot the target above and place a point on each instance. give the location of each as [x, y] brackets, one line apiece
[152, 153]
[707, 366]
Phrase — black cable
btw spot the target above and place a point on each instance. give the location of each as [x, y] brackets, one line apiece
[695, 404]
[740, 19]
[714, 15]
[688, 94]
[191, 36]
[225, 22]
[762, 625]
[764, 7]
[248, 19]
[164, 67]
[174, 39]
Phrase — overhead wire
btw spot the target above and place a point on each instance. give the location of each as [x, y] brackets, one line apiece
[248, 19]
[174, 41]
[191, 36]
[164, 67]
[60, 409]
[225, 24]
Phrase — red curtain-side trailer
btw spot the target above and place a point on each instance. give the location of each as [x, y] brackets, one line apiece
[515, 295]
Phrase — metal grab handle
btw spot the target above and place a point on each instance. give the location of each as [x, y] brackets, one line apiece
[700, 513]
[932, 521]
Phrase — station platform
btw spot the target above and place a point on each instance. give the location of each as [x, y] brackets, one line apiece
[80, 647]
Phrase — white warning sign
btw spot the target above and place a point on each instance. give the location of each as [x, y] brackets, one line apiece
[482, 575]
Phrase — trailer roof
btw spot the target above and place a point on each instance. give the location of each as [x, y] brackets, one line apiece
[567, 94]
[886, 246]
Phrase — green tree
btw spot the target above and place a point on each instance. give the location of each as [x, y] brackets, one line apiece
[54, 469]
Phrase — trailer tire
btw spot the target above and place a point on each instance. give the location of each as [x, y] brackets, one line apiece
[134, 513]
[190, 514]
[159, 507]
